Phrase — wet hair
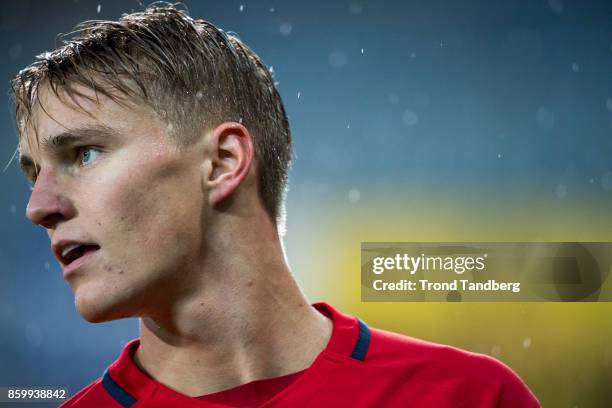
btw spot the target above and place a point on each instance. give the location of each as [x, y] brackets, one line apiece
[193, 76]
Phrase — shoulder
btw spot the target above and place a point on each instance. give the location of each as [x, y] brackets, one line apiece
[449, 367]
[92, 396]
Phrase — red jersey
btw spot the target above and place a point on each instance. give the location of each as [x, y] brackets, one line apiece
[359, 367]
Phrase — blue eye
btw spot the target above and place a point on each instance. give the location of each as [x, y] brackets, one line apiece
[87, 155]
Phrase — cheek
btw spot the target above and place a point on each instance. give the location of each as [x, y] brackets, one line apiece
[150, 215]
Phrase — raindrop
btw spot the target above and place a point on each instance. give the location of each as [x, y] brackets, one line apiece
[99, 8]
[285, 29]
[561, 190]
[15, 51]
[606, 181]
[348, 126]
[410, 117]
[199, 94]
[575, 67]
[241, 7]
[271, 69]
[545, 118]
[354, 195]
[527, 342]
[271, 9]
[337, 59]
[299, 93]
[412, 55]
[362, 50]
[33, 334]
[393, 98]
[355, 8]
[556, 6]
[499, 155]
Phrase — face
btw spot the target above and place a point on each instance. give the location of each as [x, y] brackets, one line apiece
[117, 189]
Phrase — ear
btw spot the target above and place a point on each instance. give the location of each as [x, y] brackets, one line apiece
[231, 156]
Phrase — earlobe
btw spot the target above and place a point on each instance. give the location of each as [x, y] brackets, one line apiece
[231, 156]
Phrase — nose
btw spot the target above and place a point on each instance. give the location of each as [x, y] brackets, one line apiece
[48, 204]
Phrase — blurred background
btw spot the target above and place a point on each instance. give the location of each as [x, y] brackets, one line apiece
[413, 121]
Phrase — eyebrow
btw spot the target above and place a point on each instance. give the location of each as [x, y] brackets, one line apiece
[66, 139]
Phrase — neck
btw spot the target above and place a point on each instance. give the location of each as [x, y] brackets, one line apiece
[243, 319]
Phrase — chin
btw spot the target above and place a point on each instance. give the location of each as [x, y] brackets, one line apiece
[98, 307]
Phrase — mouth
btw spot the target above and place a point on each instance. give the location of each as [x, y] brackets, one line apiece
[73, 252]
[70, 252]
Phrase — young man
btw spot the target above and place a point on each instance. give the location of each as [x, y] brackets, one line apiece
[158, 149]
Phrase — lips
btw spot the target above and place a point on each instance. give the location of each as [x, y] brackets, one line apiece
[67, 252]
[71, 255]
